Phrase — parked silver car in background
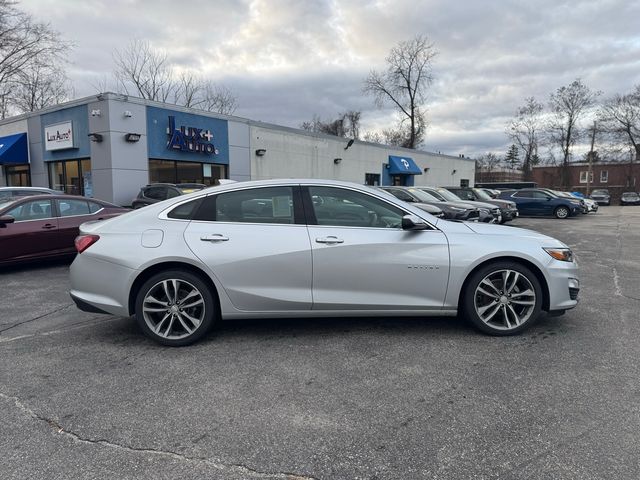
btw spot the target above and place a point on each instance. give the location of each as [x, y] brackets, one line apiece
[287, 248]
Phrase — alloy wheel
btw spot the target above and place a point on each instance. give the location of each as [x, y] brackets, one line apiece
[173, 309]
[504, 299]
[562, 212]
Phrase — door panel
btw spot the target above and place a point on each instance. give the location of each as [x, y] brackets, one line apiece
[257, 246]
[261, 267]
[365, 260]
[378, 268]
[33, 234]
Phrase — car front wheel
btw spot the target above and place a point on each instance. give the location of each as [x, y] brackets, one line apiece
[175, 308]
[561, 212]
[502, 298]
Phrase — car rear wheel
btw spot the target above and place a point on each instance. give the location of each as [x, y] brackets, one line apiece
[561, 212]
[502, 298]
[175, 308]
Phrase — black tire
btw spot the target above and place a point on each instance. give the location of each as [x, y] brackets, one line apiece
[472, 301]
[562, 212]
[179, 311]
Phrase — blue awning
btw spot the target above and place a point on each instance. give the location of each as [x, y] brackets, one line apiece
[13, 149]
[403, 166]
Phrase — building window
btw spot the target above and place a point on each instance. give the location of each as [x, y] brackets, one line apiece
[72, 177]
[583, 177]
[18, 176]
[170, 171]
[372, 179]
[604, 176]
[464, 182]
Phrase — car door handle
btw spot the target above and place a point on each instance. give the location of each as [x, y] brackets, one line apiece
[214, 237]
[329, 240]
[48, 226]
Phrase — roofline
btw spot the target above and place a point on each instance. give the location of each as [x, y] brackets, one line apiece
[254, 123]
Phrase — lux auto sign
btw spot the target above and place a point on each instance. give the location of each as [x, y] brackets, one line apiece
[190, 139]
[58, 136]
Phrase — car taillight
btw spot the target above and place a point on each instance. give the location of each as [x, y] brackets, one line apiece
[85, 241]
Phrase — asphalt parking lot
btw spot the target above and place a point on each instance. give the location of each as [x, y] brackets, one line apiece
[87, 396]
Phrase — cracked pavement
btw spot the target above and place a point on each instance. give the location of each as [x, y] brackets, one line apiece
[87, 396]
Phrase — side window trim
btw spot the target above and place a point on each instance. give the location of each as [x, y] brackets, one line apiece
[210, 202]
[310, 212]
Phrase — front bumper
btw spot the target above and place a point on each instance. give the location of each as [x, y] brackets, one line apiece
[564, 285]
[509, 214]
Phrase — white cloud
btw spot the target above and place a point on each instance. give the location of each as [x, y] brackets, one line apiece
[287, 60]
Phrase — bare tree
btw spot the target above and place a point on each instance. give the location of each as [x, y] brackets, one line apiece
[346, 125]
[620, 118]
[144, 71]
[525, 131]
[404, 84]
[27, 48]
[568, 105]
[40, 86]
[147, 72]
[217, 98]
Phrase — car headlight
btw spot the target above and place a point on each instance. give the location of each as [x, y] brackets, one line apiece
[562, 254]
[457, 209]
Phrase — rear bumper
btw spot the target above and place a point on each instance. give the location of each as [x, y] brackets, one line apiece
[100, 286]
[84, 306]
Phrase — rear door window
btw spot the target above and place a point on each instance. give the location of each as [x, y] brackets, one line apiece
[254, 205]
[156, 193]
[33, 210]
[73, 208]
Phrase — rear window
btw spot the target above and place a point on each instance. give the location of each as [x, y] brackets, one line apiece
[185, 211]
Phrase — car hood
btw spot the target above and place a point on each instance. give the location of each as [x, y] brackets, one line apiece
[501, 203]
[493, 229]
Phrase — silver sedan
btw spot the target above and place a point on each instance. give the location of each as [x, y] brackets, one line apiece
[287, 248]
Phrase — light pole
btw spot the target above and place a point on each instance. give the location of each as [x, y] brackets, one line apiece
[589, 172]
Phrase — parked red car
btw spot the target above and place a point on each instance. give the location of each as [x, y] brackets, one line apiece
[46, 225]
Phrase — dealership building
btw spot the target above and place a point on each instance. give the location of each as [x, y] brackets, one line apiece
[109, 145]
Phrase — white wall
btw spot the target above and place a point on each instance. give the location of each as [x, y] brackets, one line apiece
[295, 154]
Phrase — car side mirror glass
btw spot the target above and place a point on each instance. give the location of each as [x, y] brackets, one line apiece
[413, 222]
[6, 219]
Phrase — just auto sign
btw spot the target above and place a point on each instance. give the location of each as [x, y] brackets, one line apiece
[59, 136]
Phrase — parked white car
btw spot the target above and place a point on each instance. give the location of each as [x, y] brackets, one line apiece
[302, 248]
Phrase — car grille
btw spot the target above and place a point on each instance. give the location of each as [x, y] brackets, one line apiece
[573, 293]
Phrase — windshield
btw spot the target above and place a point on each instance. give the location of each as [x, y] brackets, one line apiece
[600, 192]
[422, 195]
[5, 202]
[447, 195]
[481, 194]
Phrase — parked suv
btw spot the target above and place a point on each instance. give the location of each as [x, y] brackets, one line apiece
[156, 192]
[508, 209]
[538, 201]
[601, 196]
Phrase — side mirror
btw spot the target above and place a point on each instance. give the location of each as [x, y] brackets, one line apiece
[413, 222]
[6, 219]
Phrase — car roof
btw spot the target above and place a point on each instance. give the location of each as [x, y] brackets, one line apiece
[30, 198]
[31, 189]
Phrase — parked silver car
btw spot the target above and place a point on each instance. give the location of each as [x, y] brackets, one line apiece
[287, 248]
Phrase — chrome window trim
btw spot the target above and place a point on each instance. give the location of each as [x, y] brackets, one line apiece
[163, 214]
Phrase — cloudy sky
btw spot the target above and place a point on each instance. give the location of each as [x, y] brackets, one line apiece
[287, 60]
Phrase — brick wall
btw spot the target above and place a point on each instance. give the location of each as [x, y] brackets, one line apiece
[615, 177]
